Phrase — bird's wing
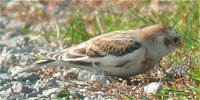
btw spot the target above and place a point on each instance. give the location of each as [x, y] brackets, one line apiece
[110, 47]
[114, 49]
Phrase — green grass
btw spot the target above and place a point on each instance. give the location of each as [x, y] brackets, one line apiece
[65, 95]
[185, 18]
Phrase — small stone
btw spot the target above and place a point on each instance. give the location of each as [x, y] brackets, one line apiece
[3, 50]
[27, 76]
[7, 58]
[4, 94]
[19, 96]
[99, 77]
[26, 59]
[16, 69]
[3, 21]
[1, 88]
[18, 87]
[70, 75]
[11, 57]
[152, 88]
[47, 98]
[32, 94]
[57, 75]
[10, 90]
[46, 83]
[12, 34]
[34, 98]
[160, 73]
[5, 86]
[54, 95]
[75, 70]
[15, 24]
[180, 70]
[49, 91]
[26, 40]
[2, 71]
[1, 31]
[39, 89]
[5, 77]
[85, 75]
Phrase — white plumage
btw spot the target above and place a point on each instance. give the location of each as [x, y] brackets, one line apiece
[120, 53]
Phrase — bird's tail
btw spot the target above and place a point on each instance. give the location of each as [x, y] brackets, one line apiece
[36, 65]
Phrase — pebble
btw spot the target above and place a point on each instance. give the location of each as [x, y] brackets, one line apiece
[19, 87]
[12, 34]
[54, 95]
[19, 96]
[46, 83]
[5, 86]
[39, 89]
[90, 76]
[34, 98]
[5, 77]
[2, 81]
[4, 95]
[49, 91]
[152, 88]
[27, 76]
[99, 77]
[57, 75]
[70, 74]
[179, 70]
[1, 32]
[10, 90]
[85, 75]
[15, 69]
[4, 21]
[15, 24]
[32, 94]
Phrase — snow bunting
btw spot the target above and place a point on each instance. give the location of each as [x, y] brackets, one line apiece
[121, 53]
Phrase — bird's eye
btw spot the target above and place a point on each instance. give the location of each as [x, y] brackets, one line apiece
[176, 39]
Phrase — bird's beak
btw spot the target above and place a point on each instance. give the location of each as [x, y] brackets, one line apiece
[181, 44]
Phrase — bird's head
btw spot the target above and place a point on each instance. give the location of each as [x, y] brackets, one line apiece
[171, 38]
[162, 38]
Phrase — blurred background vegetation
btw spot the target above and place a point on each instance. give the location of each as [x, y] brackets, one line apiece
[73, 21]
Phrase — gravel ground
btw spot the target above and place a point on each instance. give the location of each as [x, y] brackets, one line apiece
[17, 51]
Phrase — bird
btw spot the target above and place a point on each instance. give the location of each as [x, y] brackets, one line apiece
[122, 53]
